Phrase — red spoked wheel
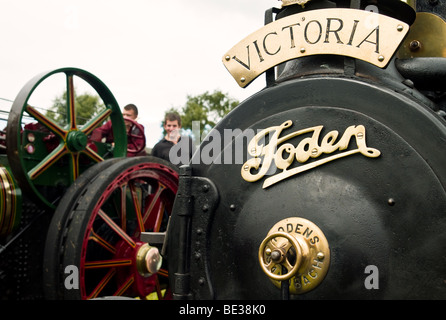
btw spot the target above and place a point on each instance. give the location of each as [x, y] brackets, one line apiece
[102, 239]
[136, 139]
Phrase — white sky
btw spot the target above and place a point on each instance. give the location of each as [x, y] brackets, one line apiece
[150, 53]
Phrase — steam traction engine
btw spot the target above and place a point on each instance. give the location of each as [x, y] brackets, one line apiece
[341, 189]
[327, 184]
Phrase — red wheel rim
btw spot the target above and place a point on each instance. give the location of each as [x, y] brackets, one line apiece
[112, 236]
[135, 142]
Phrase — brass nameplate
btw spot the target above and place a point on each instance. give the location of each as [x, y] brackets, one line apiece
[293, 2]
[282, 154]
[360, 34]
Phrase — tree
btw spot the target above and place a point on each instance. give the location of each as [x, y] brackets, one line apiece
[207, 109]
[86, 106]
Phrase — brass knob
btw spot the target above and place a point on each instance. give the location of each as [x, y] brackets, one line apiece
[275, 251]
[295, 249]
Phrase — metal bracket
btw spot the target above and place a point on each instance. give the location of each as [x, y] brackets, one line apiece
[194, 206]
[270, 75]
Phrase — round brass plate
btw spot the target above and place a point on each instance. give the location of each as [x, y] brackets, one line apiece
[421, 41]
[295, 249]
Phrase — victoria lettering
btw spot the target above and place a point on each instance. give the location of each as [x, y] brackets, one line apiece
[279, 152]
[290, 37]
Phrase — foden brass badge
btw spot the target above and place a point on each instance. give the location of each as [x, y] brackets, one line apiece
[282, 154]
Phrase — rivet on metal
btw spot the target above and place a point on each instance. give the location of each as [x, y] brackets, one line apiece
[302, 50]
[228, 58]
[414, 45]
[381, 58]
[242, 79]
[400, 28]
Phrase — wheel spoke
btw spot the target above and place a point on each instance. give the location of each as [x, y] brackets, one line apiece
[102, 284]
[49, 160]
[71, 109]
[107, 263]
[123, 288]
[137, 206]
[154, 203]
[96, 121]
[158, 289]
[117, 229]
[102, 242]
[158, 215]
[123, 211]
[74, 166]
[163, 273]
[93, 155]
[47, 122]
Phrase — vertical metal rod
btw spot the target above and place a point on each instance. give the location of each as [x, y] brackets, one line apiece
[270, 74]
[285, 286]
[183, 209]
[350, 63]
[285, 289]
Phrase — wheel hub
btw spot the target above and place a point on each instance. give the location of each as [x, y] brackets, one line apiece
[148, 260]
[76, 140]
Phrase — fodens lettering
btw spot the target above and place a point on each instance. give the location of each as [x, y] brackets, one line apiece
[283, 155]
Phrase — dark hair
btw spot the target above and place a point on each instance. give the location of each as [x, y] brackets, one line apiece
[172, 116]
[131, 106]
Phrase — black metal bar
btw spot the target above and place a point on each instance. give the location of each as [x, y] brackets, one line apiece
[183, 209]
[285, 289]
[270, 74]
[355, 4]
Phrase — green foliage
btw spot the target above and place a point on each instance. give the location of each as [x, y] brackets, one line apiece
[86, 106]
[207, 109]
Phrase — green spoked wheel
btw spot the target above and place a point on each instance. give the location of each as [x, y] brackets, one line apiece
[100, 234]
[47, 153]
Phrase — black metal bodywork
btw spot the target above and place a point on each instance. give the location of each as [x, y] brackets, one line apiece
[387, 212]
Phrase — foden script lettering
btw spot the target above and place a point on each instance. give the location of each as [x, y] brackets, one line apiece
[283, 154]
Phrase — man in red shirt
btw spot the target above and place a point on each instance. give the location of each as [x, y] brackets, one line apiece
[137, 139]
